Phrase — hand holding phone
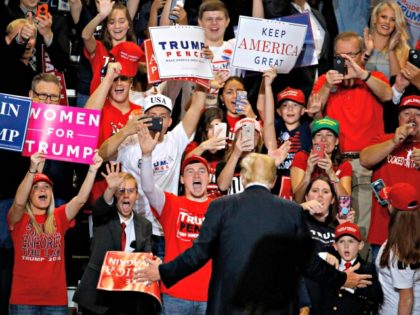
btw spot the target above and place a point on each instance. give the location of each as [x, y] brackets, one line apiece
[241, 100]
[377, 186]
[247, 134]
[319, 149]
[42, 10]
[154, 123]
[344, 206]
[220, 130]
[174, 3]
[339, 65]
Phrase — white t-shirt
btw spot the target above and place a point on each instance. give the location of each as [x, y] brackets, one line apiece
[394, 278]
[166, 159]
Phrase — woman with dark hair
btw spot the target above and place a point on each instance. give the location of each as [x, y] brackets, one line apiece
[209, 145]
[327, 161]
[398, 261]
[321, 206]
[233, 110]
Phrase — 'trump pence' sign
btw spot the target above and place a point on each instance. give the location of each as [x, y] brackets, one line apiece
[178, 52]
[261, 44]
[62, 132]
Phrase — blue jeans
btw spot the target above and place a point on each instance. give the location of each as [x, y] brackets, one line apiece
[174, 306]
[158, 246]
[18, 309]
[375, 252]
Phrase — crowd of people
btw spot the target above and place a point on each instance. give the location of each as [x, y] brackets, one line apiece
[255, 196]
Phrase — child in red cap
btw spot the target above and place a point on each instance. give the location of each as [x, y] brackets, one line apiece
[348, 243]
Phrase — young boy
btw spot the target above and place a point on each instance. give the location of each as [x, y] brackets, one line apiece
[348, 243]
[290, 107]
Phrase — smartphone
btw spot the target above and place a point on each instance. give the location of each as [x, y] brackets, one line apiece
[377, 186]
[42, 9]
[156, 123]
[344, 206]
[338, 64]
[220, 130]
[248, 133]
[414, 57]
[241, 97]
[174, 3]
[319, 149]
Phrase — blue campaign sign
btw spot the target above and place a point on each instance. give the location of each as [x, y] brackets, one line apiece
[307, 56]
[14, 116]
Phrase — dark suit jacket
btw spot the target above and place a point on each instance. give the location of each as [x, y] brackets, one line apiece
[233, 226]
[107, 237]
[362, 301]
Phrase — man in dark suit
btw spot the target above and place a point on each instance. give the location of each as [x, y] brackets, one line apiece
[233, 226]
[110, 212]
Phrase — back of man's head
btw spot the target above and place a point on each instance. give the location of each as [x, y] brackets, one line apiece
[258, 168]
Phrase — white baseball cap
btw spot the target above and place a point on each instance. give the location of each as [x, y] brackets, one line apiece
[157, 100]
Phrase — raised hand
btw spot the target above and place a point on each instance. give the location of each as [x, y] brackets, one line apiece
[97, 161]
[314, 105]
[112, 176]
[146, 141]
[104, 8]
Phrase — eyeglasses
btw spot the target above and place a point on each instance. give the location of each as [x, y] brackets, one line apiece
[129, 191]
[43, 97]
[122, 78]
[350, 54]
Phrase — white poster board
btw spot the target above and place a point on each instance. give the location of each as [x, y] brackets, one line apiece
[263, 43]
[178, 52]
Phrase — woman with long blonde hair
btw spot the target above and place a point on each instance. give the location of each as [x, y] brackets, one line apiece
[387, 39]
[37, 230]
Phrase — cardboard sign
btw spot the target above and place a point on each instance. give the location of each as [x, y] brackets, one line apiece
[261, 44]
[117, 273]
[62, 132]
[178, 52]
[308, 55]
[153, 71]
[14, 115]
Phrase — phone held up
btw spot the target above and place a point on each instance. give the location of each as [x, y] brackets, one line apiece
[156, 123]
[377, 186]
[42, 9]
[220, 131]
[241, 98]
[319, 149]
[174, 3]
[338, 64]
[414, 57]
[344, 206]
[247, 133]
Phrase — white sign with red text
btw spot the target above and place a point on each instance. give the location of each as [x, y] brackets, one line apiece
[262, 43]
[179, 52]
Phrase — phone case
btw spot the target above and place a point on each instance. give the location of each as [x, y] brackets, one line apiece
[338, 64]
[377, 186]
[220, 130]
[344, 204]
[42, 9]
[414, 57]
[319, 148]
[241, 97]
[248, 132]
[173, 4]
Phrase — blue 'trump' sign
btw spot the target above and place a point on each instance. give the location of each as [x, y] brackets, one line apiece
[14, 115]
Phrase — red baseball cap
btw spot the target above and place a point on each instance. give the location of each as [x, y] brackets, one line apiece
[128, 54]
[291, 94]
[348, 228]
[195, 159]
[39, 177]
[402, 196]
[410, 101]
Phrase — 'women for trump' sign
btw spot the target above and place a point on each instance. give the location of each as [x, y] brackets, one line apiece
[62, 132]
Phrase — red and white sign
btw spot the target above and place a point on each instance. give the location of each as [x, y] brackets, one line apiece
[62, 132]
[117, 273]
[179, 52]
[153, 71]
[261, 44]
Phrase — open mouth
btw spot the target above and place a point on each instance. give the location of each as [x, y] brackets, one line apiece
[42, 197]
[197, 184]
[126, 205]
[412, 124]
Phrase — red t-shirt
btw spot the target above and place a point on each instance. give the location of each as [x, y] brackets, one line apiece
[395, 168]
[112, 120]
[181, 220]
[358, 111]
[301, 161]
[39, 276]
[231, 121]
[97, 62]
